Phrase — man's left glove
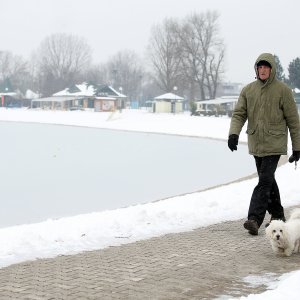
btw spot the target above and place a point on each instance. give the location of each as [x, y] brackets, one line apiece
[233, 141]
[295, 156]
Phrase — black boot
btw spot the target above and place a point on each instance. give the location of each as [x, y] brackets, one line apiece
[251, 226]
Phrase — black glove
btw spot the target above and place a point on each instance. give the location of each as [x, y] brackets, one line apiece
[295, 156]
[233, 141]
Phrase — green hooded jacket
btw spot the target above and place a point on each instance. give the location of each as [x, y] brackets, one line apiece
[271, 111]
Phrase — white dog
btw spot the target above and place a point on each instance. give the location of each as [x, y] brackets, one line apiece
[285, 237]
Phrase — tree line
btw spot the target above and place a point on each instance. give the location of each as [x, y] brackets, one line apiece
[185, 53]
[293, 78]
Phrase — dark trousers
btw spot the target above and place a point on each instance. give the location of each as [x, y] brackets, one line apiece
[266, 196]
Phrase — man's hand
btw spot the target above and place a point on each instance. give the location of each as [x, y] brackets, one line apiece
[295, 156]
[233, 141]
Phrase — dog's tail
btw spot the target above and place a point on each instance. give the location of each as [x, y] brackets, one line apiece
[295, 214]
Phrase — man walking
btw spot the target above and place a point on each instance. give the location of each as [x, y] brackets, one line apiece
[270, 109]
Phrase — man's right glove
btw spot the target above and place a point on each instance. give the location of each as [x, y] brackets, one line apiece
[233, 141]
[295, 156]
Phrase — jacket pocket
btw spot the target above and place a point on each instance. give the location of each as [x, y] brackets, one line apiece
[276, 129]
[275, 139]
[276, 132]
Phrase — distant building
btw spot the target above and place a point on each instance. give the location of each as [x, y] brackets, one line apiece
[216, 107]
[9, 97]
[29, 95]
[169, 103]
[83, 96]
[108, 99]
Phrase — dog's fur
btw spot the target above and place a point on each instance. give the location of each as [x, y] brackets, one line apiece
[285, 237]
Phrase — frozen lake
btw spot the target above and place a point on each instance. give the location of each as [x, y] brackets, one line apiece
[52, 171]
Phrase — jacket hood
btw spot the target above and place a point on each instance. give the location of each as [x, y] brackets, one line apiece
[271, 60]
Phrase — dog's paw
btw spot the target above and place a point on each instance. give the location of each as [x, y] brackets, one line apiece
[288, 252]
[297, 246]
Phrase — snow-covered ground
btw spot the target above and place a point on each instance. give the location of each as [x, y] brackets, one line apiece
[125, 225]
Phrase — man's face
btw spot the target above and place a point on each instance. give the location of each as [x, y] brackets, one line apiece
[264, 72]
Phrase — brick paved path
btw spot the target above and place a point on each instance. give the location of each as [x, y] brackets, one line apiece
[201, 264]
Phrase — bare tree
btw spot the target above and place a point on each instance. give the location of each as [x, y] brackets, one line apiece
[62, 61]
[125, 70]
[97, 74]
[188, 53]
[14, 68]
[164, 55]
[191, 57]
[34, 79]
[202, 51]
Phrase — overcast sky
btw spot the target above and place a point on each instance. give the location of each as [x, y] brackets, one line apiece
[249, 27]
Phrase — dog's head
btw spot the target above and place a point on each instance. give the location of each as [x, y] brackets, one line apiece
[276, 231]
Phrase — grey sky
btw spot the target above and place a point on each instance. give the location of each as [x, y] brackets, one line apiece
[248, 27]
